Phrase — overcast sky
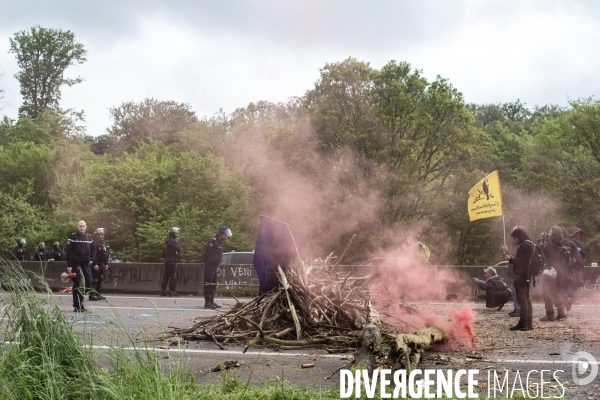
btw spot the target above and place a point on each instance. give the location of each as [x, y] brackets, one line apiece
[225, 54]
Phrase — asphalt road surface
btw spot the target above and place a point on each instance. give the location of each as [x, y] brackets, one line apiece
[128, 320]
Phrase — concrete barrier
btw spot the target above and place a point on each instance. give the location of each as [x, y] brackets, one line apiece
[241, 279]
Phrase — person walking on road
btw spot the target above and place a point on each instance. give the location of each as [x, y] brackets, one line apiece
[80, 256]
[171, 250]
[211, 258]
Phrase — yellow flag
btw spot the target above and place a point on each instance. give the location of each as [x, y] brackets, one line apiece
[485, 198]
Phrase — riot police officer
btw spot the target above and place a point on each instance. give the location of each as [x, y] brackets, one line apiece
[41, 254]
[20, 251]
[80, 256]
[56, 253]
[171, 250]
[211, 258]
[100, 265]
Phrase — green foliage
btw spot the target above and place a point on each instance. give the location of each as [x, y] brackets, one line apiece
[165, 121]
[139, 195]
[386, 152]
[24, 168]
[43, 55]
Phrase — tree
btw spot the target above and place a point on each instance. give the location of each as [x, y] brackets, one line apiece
[43, 55]
[149, 119]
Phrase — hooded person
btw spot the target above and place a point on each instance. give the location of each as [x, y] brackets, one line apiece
[496, 291]
[520, 263]
[511, 274]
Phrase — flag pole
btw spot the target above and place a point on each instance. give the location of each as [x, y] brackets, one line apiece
[504, 226]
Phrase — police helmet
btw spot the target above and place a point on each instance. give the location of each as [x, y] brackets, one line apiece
[42, 245]
[99, 231]
[56, 244]
[174, 229]
[224, 230]
[21, 241]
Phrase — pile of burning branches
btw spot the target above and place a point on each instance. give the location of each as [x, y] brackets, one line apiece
[316, 306]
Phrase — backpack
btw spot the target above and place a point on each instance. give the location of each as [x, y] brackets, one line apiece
[537, 262]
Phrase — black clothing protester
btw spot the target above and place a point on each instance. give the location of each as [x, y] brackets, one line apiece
[496, 292]
[171, 250]
[20, 253]
[211, 257]
[80, 251]
[521, 264]
[551, 292]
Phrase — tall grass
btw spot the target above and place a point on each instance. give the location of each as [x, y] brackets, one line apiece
[42, 357]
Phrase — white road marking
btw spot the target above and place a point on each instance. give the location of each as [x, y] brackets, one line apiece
[236, 352]
[146, 308]
[546, 361]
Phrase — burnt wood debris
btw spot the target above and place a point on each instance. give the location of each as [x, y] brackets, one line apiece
[316, 306]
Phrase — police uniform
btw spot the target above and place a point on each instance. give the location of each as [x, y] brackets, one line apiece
[80, 251]
[211, 257]
[101, 260]
[171, 250]
[56, 253]
[20, 253]
[40, 255]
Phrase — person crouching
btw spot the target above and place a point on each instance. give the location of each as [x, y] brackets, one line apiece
[496, 295]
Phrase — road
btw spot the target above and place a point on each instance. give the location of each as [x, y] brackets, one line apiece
[126, 320]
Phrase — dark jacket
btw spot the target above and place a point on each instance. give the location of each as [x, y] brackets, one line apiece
[80, 249]
[101, 258]
[493, 284]
[20, 253]
[556, 258]
[580, 246]
[40, 255]
[575, 260]
[512, 252]
[213, 252]
[520, 262]
[57, 254]
[171, 250]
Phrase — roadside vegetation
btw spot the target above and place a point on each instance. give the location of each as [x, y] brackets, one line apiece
[43, 358]
[373, 152]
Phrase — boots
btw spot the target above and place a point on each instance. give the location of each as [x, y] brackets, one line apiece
[94, 297]
[530, 323]
[163, 293]
[561, 314]
[548, 317]
[521, 326]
